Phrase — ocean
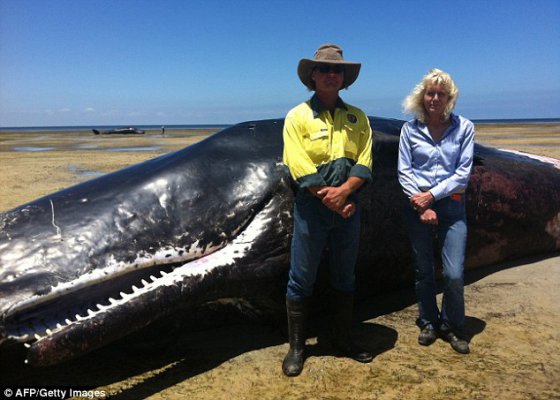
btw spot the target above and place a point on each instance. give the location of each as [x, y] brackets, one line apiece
[517, 121]
[223, 126]
[79, 128]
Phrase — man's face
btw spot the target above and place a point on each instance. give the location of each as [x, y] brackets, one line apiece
[328, 77]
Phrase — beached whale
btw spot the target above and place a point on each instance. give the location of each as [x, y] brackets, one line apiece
[210, 225]
[120, 131]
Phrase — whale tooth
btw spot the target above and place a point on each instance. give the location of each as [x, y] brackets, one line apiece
[163, 273]
[49, 332]
[68, 322]
[90, 312]
[135, 289]
[79, 317]
[145, 282]
[27, 345]
[113, 301]
[153, 278]
[100, 307]
[123, 295]
[37, 336]
[58, 326]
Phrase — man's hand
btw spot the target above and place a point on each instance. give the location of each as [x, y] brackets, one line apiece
[314, 190]
[348, 210]
[334, 197]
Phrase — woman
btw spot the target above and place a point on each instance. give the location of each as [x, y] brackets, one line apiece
[435, 160]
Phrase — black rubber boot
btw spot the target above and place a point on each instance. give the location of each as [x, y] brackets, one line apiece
[297, 314]
[343, 306]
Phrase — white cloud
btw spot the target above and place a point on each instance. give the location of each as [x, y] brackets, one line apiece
[112, 112]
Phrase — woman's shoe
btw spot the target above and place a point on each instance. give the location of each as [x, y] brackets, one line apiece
[427, 336]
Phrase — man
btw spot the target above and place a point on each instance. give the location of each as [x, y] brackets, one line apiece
[327, 148]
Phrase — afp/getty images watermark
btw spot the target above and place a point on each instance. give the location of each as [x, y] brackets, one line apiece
[51, 393]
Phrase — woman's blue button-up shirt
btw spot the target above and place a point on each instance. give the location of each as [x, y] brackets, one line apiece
[444, 167]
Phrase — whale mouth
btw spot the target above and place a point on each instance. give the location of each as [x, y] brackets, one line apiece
[87, 299]
[42, 315]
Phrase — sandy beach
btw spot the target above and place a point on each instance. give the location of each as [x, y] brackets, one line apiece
[513, 310]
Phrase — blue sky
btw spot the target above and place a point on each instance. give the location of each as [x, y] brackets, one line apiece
[133, 62]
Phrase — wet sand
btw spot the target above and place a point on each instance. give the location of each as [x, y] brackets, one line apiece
[39, 163]
[513, 310]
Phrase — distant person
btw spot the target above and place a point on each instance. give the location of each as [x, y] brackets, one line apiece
[435, 160]
[163, 129]
[327, 148]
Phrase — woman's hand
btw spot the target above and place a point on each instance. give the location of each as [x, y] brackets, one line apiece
[421, 201]
[429, 217]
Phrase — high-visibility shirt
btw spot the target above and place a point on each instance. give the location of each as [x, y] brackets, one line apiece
[322, 151]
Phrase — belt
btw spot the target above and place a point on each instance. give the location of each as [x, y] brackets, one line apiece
[454, 196]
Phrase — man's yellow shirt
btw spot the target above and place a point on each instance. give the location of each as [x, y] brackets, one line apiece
[320, 150]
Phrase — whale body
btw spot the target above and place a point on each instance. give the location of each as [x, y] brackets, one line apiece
[211, 224]
[120, 131]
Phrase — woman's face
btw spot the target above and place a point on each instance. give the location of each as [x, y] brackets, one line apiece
[435, 100]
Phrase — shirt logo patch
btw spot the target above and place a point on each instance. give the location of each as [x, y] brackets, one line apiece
[352, 118]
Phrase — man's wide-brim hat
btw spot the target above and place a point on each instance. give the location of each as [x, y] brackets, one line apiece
[328, 54]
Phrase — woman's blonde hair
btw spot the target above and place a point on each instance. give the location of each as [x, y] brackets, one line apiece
[414, 102]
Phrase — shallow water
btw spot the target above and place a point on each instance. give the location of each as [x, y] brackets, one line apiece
[132, 149]
[74, 169]
[32, 148]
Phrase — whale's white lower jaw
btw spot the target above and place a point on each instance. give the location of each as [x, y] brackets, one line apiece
[228, 254]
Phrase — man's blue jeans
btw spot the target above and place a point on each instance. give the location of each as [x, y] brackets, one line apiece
[451, 234]
[315, 228]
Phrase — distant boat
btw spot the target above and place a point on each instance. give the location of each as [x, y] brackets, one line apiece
[120, 131]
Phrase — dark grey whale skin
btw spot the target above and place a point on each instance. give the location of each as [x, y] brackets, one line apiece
[120, 131]
[148, 217]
